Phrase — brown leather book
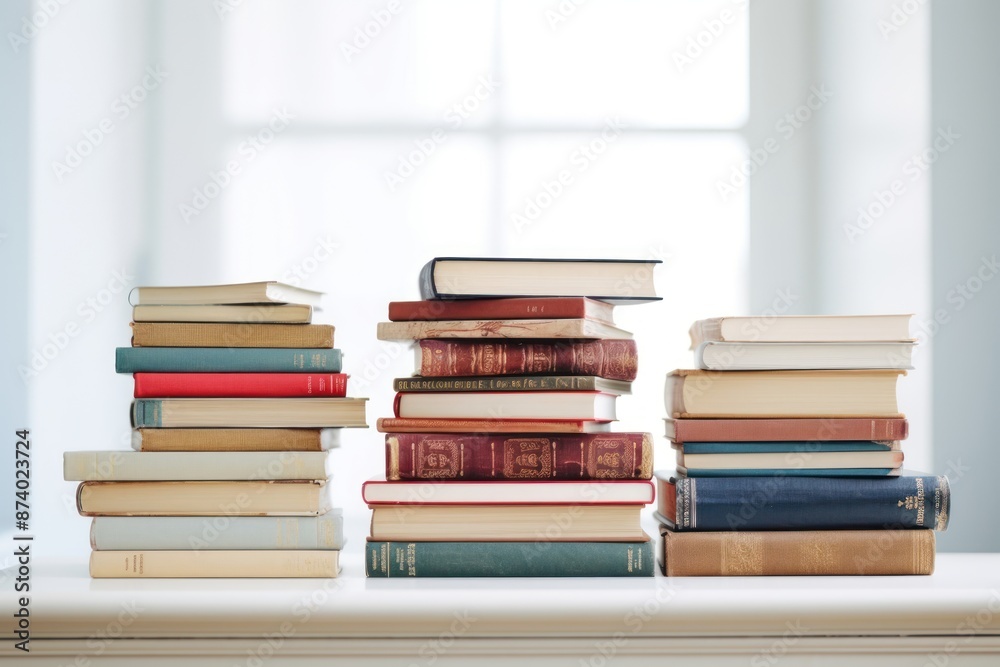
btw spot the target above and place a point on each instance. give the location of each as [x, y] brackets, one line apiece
[796, 552]
[777, 430]
[506, 309]
[612, 359]
[190, 334]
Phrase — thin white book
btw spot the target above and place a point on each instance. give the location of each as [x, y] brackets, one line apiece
[619, 492]
[132, 466]
[718, 356]
[586, 405]
[258, 292]
[803, 329]
[791, 460]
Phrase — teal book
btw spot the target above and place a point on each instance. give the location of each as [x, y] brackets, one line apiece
[509, 559]
[225, 360]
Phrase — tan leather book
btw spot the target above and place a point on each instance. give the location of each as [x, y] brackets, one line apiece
[842, 393]
[234, 439]
[242, 314]
[251, 498]
[207, 334]
[779, 430]
[796, 552]
[207, 563]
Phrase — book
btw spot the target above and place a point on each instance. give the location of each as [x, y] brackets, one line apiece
[258, 292]
[851, 393]
[514, 383]
[180, 533]
[502, 523]
[805, 448]
[805, 429]
[255, 314]
[802, 329]
[543, 456]
[802, 356]
[796, 552]
[225, 360]
[479, 329]
[377, 492]
[506, 309]
[234, 439]
[482, 426]
[509, 559]
[619, 281]
[214, 564]
[799, 503]
[118, 465]
[507, 405]
[253, 498]
[210, 334]
[248, 412]
[611, 359]
[800, 460]
[797, 472]
[239, 385]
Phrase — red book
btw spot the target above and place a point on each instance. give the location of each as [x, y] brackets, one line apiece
[618, 492]
[239, 385]
[502, 309]
[777, 430]
[611, 359]
[483, 426]
[525, 457]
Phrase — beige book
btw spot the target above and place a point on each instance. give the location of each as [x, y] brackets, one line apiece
[569, 328]
[271, 498]
[123, 466]
[224, 334]
[791, 460]
[249, 412]
[214, 564]
[235, 439]
[251, 314]
[802, 329]
[239, 293]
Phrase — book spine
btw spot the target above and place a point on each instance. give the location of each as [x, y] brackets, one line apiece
[225, 360]
[479, 426]
[239, 385]
[147, 413]
[612, 359]
[798, 553]
[180, 533]
[127, 466]
[225, 564]
[444, 456]
[228, 439]
[508, 559]
[426, 281]
[487, 309]
[802, 503]
[183, 334]
[762, 430]
[509, 383]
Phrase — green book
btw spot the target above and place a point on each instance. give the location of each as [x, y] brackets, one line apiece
[225, 360]
[509, 559]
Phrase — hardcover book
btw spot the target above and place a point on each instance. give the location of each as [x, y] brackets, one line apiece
[235, 439]
[741, 462]
[509, 559]
[484, 426]
[509, 405]
[225, 360]
[478, 329]
[248, 412]
[514, 383]
[214, 564]
[239, 385]
[254, 498]
[456, 492]
[115, 466]
[771, 430]
[719, 356]
[803, 329]
[190, 334]
[545, 456]
[506, 309]
[252, 315]
[240, 293]
[612, 359]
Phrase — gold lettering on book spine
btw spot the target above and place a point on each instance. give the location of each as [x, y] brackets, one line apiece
[437, 459]
[646, 467]
[527, 458]
[393, 444]
[610, 457]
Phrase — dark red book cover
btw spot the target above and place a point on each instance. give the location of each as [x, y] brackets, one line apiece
[501, 309]
[611, 359]
[591, 456]
[239, 385]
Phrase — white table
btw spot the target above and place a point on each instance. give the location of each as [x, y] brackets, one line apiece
[951, 618]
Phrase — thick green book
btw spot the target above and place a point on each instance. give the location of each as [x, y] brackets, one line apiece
[225, 360]
[509, 559]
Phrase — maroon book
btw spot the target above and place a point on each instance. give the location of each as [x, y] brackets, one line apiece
[459, 456]
[611, 359]
[502, 309]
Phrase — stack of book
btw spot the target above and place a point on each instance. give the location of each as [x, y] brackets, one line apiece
[238, 397]
[500, 460]
[788, 453]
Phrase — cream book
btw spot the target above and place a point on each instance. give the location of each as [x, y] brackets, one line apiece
[257, 498]
[802, 356]
[214, 564]
[118, 466]
[888, 459]
[802, 329]
[249, 412]
[258, 292]
[478, 329]
[235, 439]
[255, 314]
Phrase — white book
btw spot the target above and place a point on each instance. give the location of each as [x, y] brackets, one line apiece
[155, 533]
[718, 356]
[802, 329]
[132, 466]
[239, 293]
[507, 405]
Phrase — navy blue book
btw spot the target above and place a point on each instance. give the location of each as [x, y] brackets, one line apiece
[789, 502]
[225, 360]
